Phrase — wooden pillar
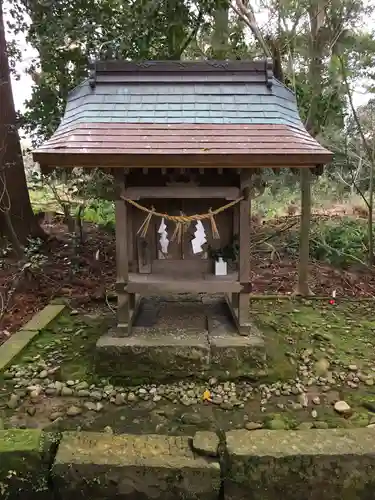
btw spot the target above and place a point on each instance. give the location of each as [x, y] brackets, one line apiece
[235, 297]
[122, 260]
[244, 257]
[304, 246]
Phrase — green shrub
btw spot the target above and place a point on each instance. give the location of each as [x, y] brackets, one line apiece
[100, 212]
[340, 242]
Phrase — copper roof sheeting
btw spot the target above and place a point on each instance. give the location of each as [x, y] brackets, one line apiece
[195, 113]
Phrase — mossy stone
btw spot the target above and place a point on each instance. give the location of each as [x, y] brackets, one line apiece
[23, 468]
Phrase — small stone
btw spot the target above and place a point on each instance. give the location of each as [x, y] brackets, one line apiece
[142, 391]
[58, 385]
[50, 391]
[34, 395]
[304, 426]
[43, 374]
[281, 406]
[82, 386]
[321, 367]
[303, 400]
[73, 411]
[89, 405]
[108, 429]
[323, 336]
[55, 415]
[295, 406]
[253, 426]
[156, 398]
[13, 401]
[31, 410]
[371, 426]
[120, 399]
[352, 385]
[321, 425]
[83, 393]
[369, 381]
[186, 401]
[342, 407]
[276, 424]
[97, 395]
[66, 391]
[226, 405]
[206, 443]
[314, 414]
[295, 390]
[191, 418]
[132, 397]
[316, 400]
[353, 368]
[212, 381]
[99, 407]
[70, 383]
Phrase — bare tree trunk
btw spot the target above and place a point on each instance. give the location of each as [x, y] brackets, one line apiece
[246, 12]
[370, 217]
[219, 42]
[14, 196]
[313, 126]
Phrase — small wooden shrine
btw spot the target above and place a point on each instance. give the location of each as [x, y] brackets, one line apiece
[182, 140]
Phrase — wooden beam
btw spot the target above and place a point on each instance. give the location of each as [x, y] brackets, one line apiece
[161, 284]
[109, 159]
[181, 192]
[244, 256]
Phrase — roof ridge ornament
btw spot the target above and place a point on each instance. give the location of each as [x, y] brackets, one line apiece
[269, 72]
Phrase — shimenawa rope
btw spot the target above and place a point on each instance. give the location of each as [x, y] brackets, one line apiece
[182, 221]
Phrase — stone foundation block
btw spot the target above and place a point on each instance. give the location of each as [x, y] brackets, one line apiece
[153, 356]
[332, 464]
[236, 356]
[23, 465]
[131, 467]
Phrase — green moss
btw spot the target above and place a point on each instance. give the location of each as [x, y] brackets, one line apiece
[23, 469]
[278, 421]
[20, 440]
[71, 338]
[289, 326]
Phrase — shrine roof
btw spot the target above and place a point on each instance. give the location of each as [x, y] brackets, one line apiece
[159, 113]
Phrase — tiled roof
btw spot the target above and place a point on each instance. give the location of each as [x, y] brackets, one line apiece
[174, 108]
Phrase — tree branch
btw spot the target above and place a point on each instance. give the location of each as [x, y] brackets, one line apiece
[246, 13]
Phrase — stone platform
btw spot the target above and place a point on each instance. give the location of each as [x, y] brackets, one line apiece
[178, 337]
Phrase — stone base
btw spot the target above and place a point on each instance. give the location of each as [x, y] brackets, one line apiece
[142, 358]
[331, 464]
[151, 355]
[129, 467]
[174, 340]
[236, 356]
